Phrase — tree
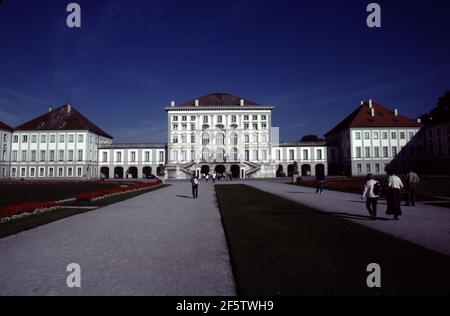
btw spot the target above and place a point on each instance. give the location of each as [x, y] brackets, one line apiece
[441, 112]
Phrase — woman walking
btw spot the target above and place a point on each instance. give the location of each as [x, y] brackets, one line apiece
[394, 196]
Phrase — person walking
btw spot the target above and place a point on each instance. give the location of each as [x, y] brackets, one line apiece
[214, 176]
[207, 177]
[320, 181]
[394, 195]
[371, 194]
[412, 179]
[194, 182]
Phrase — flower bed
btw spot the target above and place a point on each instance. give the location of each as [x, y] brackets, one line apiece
[12, 212]
[126, 188]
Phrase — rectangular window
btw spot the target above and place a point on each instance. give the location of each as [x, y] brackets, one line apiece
[175, 118]
[70, 155]
[366, 135]
[192, 139]
[291, 154]
[70, 172]
[376, 152]
[42, 155]
[147, 156]
[52, 155]
[233, 119]
[359, 168]
[79, 171]
[52, 138]
[246, 139]
[71, 138]
[24, 155]
[358, 152]
[34, 139]
[133, 156]
[255, 117]
[264, 125]
[368, 168]
[278, 154]
[41, 172]
[24, 138]
[393, 135]
[61, 155]
[105, 156]
[80, 138]
[385, 152]
[246, 117]
[375, 135]
[119, 157]
[205, 119]
[377, 168]
[367, 149]
[246, 126]
[23, 172]
[14, 155]
[60, 172]
[184, 118]
[263, 117]
[61, 138]
[51, 172]
[319, 154]
[385, 135]
[357, 135]
[161, 156]
[33, 155]
[15, 138]
[32, 172]
[402, 135]
[43, 138]
[305, 154]
[13, 172]
[219, 119]
[394, 151]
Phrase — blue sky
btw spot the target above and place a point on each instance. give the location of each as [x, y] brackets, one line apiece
[313, 60]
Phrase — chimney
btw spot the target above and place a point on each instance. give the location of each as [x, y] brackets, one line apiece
[372, 112]
[242, 102]
[172, 104]
[370, 103]
[396, 112]
[197, 102]
[69, 108]
[50, 108]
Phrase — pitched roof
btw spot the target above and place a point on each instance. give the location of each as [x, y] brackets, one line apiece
[219, 99]
[5, 127]
[384, 117]
[65, 117]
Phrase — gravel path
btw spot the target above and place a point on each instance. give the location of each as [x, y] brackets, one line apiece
[158, 243]
[426, 225]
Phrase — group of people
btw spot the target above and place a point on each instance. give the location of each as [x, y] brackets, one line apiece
[373, 190]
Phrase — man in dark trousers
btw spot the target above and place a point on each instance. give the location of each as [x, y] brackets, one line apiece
[194, 183]
[412, 179]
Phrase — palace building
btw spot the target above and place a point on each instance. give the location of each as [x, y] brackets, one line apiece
[217, 132]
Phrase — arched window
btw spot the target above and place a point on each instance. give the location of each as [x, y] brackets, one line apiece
[234, 154]
[205, 154]
[220, 153]
[205, 139]
[234, 139]
[255, 138]
[220, 139]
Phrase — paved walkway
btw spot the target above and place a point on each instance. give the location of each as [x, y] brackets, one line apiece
[159, 243]
[425, 225]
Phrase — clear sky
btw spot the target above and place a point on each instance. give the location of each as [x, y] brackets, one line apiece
[313, 60]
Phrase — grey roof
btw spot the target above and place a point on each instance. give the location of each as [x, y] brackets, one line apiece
[303, 144]
[134, 146]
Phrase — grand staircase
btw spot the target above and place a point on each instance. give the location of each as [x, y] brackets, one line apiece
[187, 168]
[254, 167]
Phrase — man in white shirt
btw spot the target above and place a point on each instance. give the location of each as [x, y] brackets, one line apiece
[371, 195]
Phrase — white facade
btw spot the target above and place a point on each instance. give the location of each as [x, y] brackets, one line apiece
[5, 150]
[238, 137]
[55, 154]
[138, 161]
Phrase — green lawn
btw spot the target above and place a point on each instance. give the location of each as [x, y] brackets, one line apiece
[18, 193]
[279, 247]
[30, 222]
